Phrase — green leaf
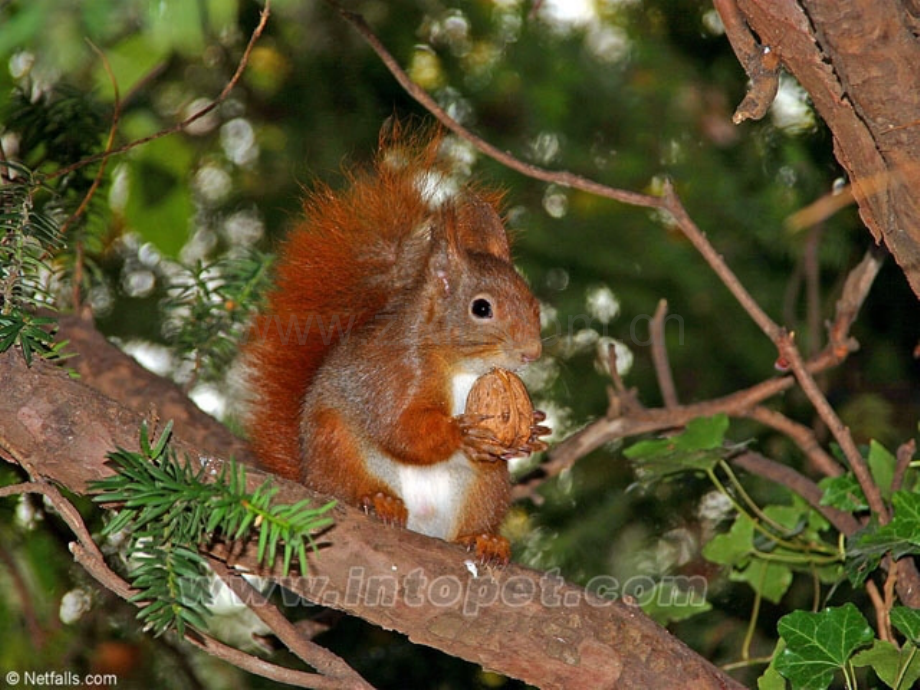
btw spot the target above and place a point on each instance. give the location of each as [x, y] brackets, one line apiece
[702, 433]
[771, 678]
[792, 517]
[733, 547]
[907, 621]
[881, 465]
[161, 443]
[768, 578]
[667, 603]
[843, 493]
[818, 644]
[900, 537]
[897, 668]
[698, 447]
[159, 200]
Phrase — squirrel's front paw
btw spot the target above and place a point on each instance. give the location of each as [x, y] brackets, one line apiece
[534, 444]
[478, 441]
[388, 509]
[491, 549]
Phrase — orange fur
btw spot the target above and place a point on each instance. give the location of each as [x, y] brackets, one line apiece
[355, 363]
[325, 276]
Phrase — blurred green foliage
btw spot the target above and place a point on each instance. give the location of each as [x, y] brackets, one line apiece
[639, 92]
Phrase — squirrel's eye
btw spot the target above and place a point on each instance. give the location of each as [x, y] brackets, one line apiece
[481, 308]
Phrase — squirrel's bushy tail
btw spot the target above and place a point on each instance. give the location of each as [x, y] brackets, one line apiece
[334, 273]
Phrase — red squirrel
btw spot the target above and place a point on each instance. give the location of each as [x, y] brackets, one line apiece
[392, 297]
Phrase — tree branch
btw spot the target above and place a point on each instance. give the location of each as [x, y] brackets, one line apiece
[790, 353]
[87, 554]
[660, 356]
[760, 63]
[109, 579]
[516, 621]
[310, 653]
[801, 435]
[565, 179]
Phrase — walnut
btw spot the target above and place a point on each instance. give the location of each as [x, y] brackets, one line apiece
[501, 397]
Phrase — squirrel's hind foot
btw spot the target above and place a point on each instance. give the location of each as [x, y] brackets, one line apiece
[491, 549]
[388, 509]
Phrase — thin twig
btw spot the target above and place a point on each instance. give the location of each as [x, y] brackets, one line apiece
[87, 554]
[675, 207]
[644, 420]
[621, 401]
[883, 603]
[660, 357]
[647, 420]
[830, 203]
[802, 436]
[820, 209]
[263, 668]
[113, 128]
[309, 652]
[65, 509]
[565, 179]
[905, 455]
[778, 473]
[197, 115]
[881, 613]
[894, 571]
[855, 290]
[790, 353]
[109, 579]
[813, 288]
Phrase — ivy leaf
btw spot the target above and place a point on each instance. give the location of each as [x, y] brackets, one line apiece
[771, 679]
[792, 520]
[900, 537]
[769, 579]
[881, 465]
[818, 644]
[734, 546]
[907, 621]
[843, 493]
[702, 433]
[906, 520]
[698, 447]
[668, 603]
[897, 668]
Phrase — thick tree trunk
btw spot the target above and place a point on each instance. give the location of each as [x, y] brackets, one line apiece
[858, 60]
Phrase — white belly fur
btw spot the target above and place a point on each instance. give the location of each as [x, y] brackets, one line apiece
[461, 385]
[433, 494]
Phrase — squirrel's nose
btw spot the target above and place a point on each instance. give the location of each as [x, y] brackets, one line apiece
[531, 352]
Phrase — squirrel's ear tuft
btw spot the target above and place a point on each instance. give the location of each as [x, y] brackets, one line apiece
[409, 146]
[446, 255]
[479, 228]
